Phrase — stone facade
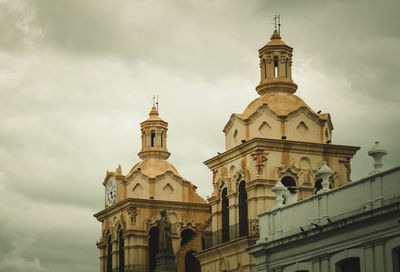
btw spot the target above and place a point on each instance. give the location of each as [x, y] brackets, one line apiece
[150, 185]
[278, 136]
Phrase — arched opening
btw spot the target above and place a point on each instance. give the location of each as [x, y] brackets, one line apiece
[225, 216]
[153, 248]
[289, 183]
[121, 252]
[162, 139]
[191, 263]
[348, 265]
[264, 68]
[396, 259]
[276, 69]
[109, 254]
[186, 235]
[243, 216]
[286, 67]
[153, 139]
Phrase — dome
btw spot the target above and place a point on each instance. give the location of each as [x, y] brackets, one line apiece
[276, 39]
[154, 167]
[280, 103]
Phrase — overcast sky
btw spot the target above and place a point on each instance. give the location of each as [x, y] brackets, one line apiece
[77, 78]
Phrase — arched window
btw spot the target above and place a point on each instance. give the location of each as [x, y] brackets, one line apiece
[243, 217]
[286, 67]
[186, 235]
[265, 68]
[191, 263]
[289, 183]
[348, 265]
[225, 216]
[109, 254]
[121, 252]
[153, 139]
[162, 139]
[153, 248]
[276, 69]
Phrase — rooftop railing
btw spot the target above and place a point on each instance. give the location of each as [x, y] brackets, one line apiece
[248, 228]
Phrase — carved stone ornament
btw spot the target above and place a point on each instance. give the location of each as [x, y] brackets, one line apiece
[243, 164]
[285, 159]
[186, 223]
[347, 165]
[132, 212]
[238, 175]
[260, 156]
[214, 175]
[220, 183]
[224, 171]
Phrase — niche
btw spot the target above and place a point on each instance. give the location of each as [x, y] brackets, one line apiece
[302, 128]
[264, 129]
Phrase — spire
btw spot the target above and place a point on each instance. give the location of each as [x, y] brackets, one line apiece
[154, 137]
[276, 67]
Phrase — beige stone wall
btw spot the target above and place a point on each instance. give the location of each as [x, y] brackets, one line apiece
[136, 228]
[302, 125]
[265, 125]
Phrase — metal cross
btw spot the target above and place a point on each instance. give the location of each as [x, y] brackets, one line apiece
[277, 22]
[275, 19]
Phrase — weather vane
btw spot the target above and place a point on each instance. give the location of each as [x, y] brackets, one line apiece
[155, 101]
[277, 23]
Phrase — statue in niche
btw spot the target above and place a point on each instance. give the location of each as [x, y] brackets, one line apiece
[165, 242]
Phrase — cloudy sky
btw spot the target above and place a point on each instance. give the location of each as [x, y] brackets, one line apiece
[77, 78]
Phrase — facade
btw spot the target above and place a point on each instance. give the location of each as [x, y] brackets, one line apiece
[129, 238]
[352, 228]
[277, 137]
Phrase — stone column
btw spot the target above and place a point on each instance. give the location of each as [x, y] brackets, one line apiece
[114, 254]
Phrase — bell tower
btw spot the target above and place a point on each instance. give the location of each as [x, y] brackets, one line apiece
[154, 137]
[130, 235]
[276, 67]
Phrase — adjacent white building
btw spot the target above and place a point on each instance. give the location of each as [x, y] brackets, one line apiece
[355, 227]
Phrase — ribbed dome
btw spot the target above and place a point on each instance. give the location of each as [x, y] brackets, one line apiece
[280, 103]
[154, 167]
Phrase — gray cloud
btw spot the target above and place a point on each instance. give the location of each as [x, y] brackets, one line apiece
[77, 77]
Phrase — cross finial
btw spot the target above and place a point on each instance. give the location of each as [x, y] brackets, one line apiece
[157, 102]
[277, 22]
[154, 100]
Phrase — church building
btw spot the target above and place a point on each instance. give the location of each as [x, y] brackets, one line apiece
[278, 138]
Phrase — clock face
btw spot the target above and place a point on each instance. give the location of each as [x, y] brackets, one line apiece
[111, 192]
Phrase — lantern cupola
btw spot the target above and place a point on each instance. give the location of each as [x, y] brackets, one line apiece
[154, 137]
[276, 67]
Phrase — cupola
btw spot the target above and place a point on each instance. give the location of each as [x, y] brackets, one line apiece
[276, 67]
[154, 137]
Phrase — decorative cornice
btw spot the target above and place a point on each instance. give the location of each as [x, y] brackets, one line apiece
[157, 204]
[280, 146]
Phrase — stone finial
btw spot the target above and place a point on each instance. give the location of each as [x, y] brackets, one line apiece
[279, 189]
[377, 153]
[324, 172]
